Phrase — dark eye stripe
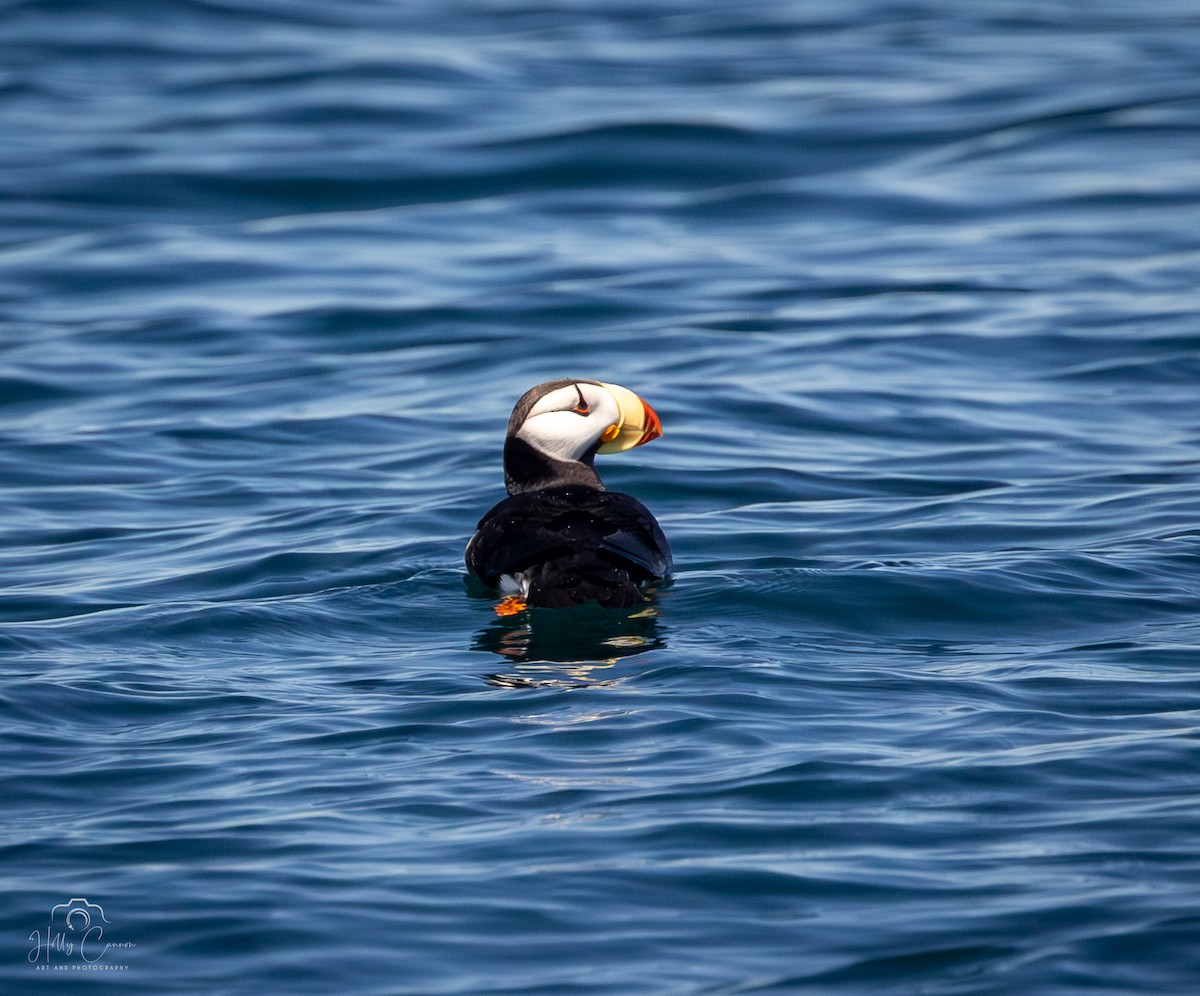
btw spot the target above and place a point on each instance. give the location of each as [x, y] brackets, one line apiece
[581, 408]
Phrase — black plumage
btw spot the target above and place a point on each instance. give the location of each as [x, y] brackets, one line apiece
[561, 538]
[571, 544]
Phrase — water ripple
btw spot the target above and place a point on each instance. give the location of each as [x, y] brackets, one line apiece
[912, 289]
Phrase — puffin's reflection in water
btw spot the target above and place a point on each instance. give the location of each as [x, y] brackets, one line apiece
[569, 648]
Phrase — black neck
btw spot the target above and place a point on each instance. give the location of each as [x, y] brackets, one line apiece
[528, 469]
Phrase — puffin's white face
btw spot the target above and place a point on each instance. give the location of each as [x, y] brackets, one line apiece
[568, 421]
[575, 418]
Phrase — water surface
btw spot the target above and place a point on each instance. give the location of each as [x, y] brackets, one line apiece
[913, 288]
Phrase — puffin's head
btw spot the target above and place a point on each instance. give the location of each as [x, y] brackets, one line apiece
[575, 419]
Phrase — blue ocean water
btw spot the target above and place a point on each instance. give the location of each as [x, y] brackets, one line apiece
[913, 287]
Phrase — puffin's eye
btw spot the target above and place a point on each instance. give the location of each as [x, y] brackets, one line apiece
[581, 408]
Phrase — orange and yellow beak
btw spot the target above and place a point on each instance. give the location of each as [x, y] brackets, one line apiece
[638, 422]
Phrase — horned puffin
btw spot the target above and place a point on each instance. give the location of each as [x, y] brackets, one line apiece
[561, 538]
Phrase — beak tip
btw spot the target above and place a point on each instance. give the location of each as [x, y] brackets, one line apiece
[653, 425]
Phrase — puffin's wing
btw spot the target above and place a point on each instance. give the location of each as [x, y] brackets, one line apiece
[637, 536]
[511, 535]
[533, 527]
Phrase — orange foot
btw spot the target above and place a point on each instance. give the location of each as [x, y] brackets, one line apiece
[510, 606]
